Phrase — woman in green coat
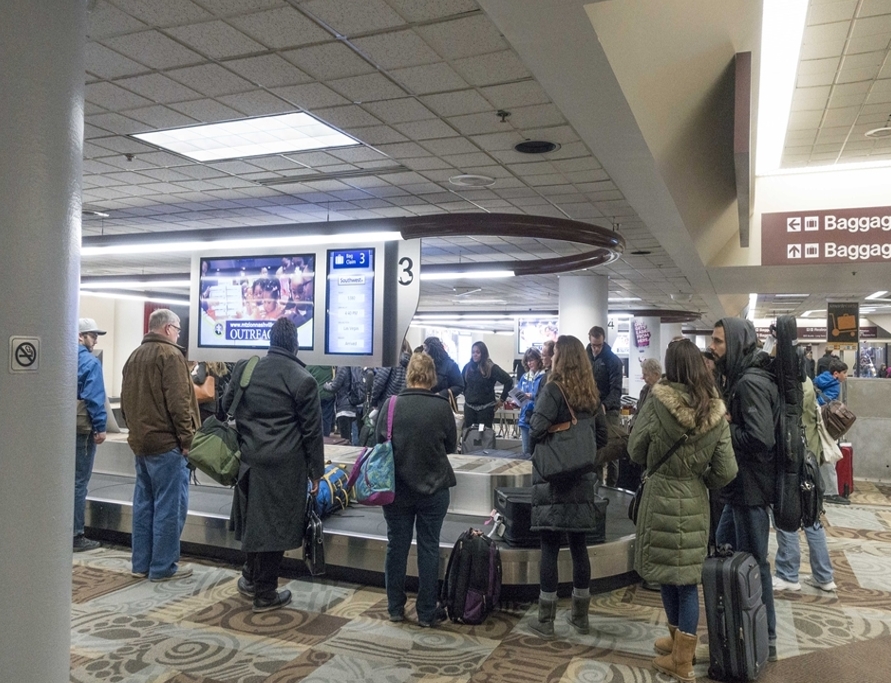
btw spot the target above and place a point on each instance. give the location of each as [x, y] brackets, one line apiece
[673, 521]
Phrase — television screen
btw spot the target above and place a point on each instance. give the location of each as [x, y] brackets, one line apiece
[349, 323]
[534, 332]
[241, 298]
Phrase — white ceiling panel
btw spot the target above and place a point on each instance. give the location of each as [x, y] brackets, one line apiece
[464, 37]
[396, 50]
[310, 96]
[498, 67]
[281, 28]
[106, 63]
[268, 71]
[153, 49]
[400, 110]
[211, 80]
[429, 78]
[329, 61]
[425, 10]
[158, 88]
[457, 103]
[367, 88]
[349, 17]
[215, 39]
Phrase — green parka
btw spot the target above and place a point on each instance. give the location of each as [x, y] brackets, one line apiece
[673, 521]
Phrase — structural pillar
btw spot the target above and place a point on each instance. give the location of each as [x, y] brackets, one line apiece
[583, 301]
[42, 82]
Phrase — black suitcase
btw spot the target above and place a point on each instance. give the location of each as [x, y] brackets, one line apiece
[736, 617]
[515, 506]
[473, 440]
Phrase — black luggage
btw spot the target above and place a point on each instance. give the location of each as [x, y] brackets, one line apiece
[736, 616]
[515, 506]
[472, 584]
[473, 440]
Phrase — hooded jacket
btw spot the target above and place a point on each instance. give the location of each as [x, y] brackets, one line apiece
[829, 387]
[750, 392]
[673, 521]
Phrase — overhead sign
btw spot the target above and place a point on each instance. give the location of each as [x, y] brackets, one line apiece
[24, 354]
[818, 334]
[833, 236]
[842, 322]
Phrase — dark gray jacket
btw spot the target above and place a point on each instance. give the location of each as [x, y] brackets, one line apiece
[424, 434]
[607, 367]
[280, 432]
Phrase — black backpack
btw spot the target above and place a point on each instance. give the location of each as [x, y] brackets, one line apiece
[472, 584]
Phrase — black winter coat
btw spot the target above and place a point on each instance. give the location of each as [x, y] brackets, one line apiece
[479, 390]
[565, 506]
[424, 434]
[280, 433]
[448, 376]
[607, 368]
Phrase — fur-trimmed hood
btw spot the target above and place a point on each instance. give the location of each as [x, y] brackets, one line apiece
[676, 400]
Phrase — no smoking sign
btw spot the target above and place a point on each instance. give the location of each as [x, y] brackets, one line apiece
[24, 354]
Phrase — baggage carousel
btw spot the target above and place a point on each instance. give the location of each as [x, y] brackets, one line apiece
[356, 538]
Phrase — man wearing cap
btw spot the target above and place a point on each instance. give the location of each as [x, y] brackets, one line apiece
[91, 419]
[161, 411]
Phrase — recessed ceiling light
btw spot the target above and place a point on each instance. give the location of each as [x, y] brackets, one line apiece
[259, 136]
[469, 180]
[536, 147]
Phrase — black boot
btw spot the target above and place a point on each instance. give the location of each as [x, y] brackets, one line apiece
[578, 617]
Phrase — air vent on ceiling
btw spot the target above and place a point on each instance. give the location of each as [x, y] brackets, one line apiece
[883, 132]
[469, 180]
[536, 147]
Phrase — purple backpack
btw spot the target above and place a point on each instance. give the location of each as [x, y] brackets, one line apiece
[472, 584]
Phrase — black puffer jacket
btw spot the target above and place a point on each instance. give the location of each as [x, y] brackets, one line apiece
[569, 506]
[448, 376]
[752, 399]
[389, 381]
[424, 434]
[607, 367]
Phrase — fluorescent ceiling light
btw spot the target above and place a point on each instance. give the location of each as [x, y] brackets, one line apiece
[259, 136]
[431, 317]
[478, 274]
[877, 295]
[135, 297]
[134, 284]
[616, 299]
[791, 296]
[830, 168]
[782, 27]
[753, 302]
[815, 310]
[295, 240]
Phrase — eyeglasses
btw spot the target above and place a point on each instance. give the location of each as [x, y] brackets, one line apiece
[175, 327]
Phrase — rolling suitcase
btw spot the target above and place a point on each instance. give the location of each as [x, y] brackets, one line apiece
[473, 440]
[515, 506]
[844, 468]
[736, 616]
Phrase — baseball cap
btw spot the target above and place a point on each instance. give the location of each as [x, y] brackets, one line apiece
[85, 325]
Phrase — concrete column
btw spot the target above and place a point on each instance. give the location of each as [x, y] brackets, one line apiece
[583, 302]
[41, 107]
[667, 332]
[645, 342]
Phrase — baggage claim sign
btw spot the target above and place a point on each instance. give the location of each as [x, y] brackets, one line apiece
[834, 236]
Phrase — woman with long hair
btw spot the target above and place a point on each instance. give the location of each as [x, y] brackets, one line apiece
[423, 435]
[567, 506]
[529, 384]
[480, 376]
[673, 520]
[448, 376]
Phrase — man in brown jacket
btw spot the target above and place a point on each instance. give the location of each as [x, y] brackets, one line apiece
[161, 411]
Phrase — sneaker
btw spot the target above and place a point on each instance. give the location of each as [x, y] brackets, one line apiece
[245, 587]
[438, 617]
[772, 653]
[281, 599]
[139, 575]
[828, 587]
[396, 618]
[82, 544]
[182, 571]
[783, 585]
[836, 500]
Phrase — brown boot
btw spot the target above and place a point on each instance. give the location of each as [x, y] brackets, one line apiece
[679, 664]
[544, 626]
[665, 644]
[578, 616]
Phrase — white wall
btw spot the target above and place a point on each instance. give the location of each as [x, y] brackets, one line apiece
[123, 320]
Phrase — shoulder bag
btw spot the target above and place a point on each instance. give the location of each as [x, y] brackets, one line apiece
[313, 539]
[634, 505]
[831, 452]
[459, 416]
[568, 451]
[373, 477]
[837, 417]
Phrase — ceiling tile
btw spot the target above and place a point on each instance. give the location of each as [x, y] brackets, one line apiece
[280, 28]
[397, 49]
[518, 94]
[107, 63]
[426, 164]
[206, 110]
[465, 37]
[329, 61]
[256, 103]
[374, 135]
[349, 116]
[356, 154]
[873, 26]
[114, 123]
[215, 39]
[815, 79]
[158, 88]
[211, 80]
[225, 8]
[810, 98]
[402, 150]
[311, 96]
[164, 12]
[536, 116]
[498, 141]
[367, 88]
[349, 17]
[107, 20]
[400, 111]
[472, 159]
[268, 71]
[829, 12]
[498, 67]
[868, 43]
[450, 146]
[841, 116]
[457, 103]
[476, 124]
[160, 117]
[112, 97]
[153, 49]
[425, 130]
[429, 78]
[424, 10]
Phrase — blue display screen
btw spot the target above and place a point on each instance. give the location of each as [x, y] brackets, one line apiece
[349, 323]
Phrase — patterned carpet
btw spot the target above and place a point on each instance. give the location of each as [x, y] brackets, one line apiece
[200, 630]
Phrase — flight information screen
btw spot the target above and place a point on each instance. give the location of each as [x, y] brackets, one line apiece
[349, 323]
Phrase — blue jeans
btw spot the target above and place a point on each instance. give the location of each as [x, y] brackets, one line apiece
[425, 516]
[526, 440]
[788, 558]
[160, 506]
[84, 454]
[681, 605]
[327, 415]
[748, 530]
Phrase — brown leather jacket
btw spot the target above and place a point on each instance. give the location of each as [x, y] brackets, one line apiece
[157, 398]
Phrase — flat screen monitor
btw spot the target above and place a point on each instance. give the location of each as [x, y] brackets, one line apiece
[534, 332]
[241, 298]
[349, 320]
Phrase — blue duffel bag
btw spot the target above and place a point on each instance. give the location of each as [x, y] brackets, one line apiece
[333, 493]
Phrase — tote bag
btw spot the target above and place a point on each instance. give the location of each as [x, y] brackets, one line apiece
[373, 477]
[568, 451]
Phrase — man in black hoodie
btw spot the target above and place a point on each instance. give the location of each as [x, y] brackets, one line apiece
[753, 405]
